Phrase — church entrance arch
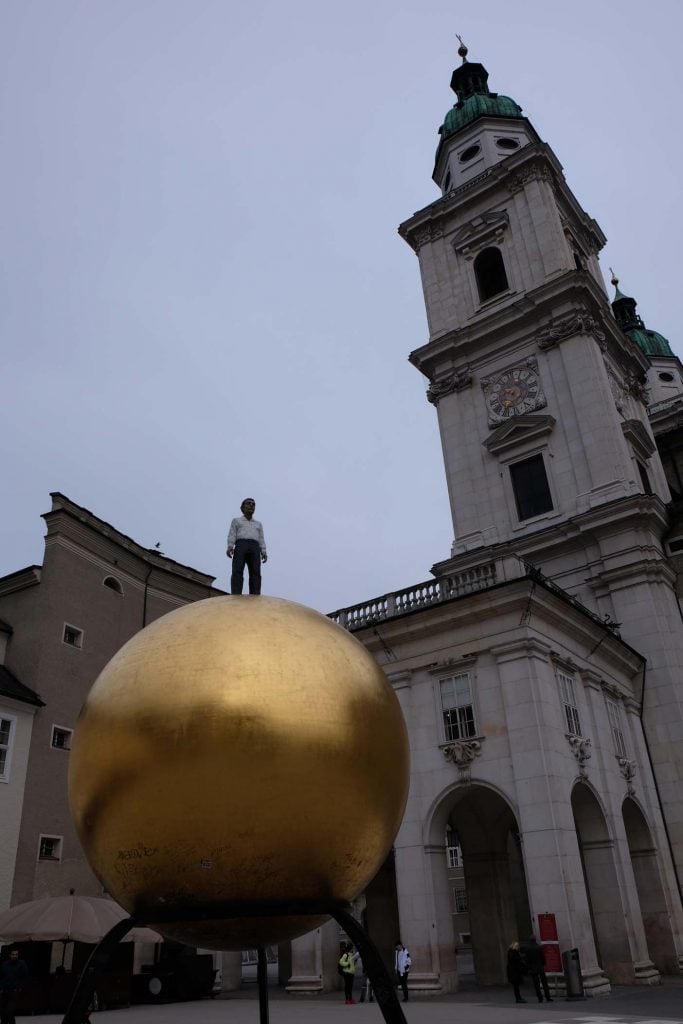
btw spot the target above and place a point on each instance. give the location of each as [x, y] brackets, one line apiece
[494, 880]
[656, 920]
[602, 886]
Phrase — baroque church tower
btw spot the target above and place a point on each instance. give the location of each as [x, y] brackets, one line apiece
[540, 669]
[542, 390]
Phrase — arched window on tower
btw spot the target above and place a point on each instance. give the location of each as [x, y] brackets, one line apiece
[489, 271]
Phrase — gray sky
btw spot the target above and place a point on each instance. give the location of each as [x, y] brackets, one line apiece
[204, 295]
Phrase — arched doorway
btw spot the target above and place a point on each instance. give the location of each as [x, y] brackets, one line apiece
[602, 886]
[653, 908]
[494, 879]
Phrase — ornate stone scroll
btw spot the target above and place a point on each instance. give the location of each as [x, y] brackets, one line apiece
[581, 749]
[579, 322]
[462, 753]
[456, 380]
[628, 770]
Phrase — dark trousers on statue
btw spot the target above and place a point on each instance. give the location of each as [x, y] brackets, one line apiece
[247, 552]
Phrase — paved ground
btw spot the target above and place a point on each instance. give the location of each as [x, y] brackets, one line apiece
[660, 1005]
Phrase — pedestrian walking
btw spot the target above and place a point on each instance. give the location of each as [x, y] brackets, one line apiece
[535, 964]
[516, 970]
[402, 965]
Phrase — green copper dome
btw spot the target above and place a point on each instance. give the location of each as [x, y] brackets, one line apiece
[478, 105]
[651, 342]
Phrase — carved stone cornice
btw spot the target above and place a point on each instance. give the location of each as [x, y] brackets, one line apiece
[581, 749]
[518, 430]
[454, 380]
[486, 229]
[429, 233]
[636, 387]
[537, 171]
[462, 753]
[578, 322]
[628, 770]
[639, 439]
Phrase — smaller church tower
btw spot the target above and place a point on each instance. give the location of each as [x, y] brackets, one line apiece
[665, 374]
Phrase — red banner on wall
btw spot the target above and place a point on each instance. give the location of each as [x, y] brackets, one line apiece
[547, 928]
[552, 958]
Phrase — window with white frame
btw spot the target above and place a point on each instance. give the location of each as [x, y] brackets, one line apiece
[61, 738]
[50, 848]
[460, 901]
[454, 854]
[571, 711]
[6, 741]
[615, 725]
[456, 706]
[72, 636]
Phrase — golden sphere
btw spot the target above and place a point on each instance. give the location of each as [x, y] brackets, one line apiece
[240, 748]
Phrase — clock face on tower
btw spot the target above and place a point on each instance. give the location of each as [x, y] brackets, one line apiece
[513, 392]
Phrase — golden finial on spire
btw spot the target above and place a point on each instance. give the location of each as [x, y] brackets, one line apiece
[615, 279]
[462, 49]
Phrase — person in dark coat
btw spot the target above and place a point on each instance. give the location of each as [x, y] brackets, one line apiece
[516, 970]
[535, 962]
[13, 975]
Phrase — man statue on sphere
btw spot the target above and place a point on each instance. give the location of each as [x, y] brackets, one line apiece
[246, 546]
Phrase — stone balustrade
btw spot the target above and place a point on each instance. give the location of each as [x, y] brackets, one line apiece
[410, 599]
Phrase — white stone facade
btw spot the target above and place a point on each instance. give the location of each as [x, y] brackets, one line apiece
[554, 628]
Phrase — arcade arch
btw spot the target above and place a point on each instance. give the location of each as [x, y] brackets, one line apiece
[488, 834]
[596, 848]
[653, 908]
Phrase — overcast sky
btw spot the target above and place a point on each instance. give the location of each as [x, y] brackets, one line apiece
[203, 293]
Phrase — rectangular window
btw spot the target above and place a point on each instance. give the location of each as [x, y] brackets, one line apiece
[644, 478]
[571, 712]
[61, 738]
[456, 707]
[50, 848]
[460, 901]
[530, 487]
[615, 724]
[72, 636]
[6, 736]
[454, 856]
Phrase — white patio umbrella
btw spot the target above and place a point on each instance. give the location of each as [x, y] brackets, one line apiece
[67, 919]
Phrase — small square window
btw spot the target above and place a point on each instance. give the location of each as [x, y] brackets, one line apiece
[72, 636]
[50, 848]
[530, 487]
[61, 738]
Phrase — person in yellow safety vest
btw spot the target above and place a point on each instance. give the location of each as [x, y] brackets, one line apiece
[347, 967]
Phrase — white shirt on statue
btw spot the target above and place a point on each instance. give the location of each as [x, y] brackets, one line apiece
[242, 528]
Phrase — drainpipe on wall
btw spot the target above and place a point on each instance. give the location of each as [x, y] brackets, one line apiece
[144, 603]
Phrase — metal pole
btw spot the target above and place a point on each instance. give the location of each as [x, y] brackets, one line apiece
[262, 976]
[97, 961]
[382, 984]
